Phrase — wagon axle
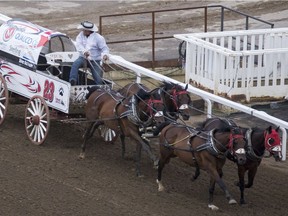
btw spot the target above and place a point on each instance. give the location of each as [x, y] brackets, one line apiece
[34, 120]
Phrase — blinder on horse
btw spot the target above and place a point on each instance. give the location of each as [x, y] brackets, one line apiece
[153, 112]
[177, 100]
[273, 143]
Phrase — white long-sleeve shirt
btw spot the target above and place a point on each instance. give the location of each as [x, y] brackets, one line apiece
[95, 44]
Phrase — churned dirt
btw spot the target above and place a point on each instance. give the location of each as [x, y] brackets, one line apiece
[50, 180]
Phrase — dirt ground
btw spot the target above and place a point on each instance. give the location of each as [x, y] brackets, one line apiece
[50, 180]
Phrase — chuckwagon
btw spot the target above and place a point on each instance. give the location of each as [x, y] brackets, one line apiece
[35, 64]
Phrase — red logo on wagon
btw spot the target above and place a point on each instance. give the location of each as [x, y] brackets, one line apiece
[9, 32]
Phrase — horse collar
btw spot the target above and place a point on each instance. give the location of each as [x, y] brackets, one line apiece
[250, 151]
[210, 146]
[133, 115]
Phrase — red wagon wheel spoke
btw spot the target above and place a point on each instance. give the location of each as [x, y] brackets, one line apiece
[37, 120]
[107, 134]
[3, 99]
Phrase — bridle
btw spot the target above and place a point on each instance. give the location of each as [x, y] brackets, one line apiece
[151, 110]
[272, 141]
[232, 139]
[174, 97]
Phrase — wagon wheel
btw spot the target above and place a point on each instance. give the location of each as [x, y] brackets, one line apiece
[37, 120]
[107, 134]
[3, 99]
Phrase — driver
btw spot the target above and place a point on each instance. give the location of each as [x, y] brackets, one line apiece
[92, 47]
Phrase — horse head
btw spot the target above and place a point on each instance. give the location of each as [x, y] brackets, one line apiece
[273, 142]
[151, 106]
[236, 147]
[177, 100]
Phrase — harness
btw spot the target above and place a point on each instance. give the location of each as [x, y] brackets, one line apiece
[209, 145]
[250, 151]
[132, 114]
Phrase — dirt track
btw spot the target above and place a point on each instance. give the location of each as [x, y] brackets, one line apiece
[50, 180]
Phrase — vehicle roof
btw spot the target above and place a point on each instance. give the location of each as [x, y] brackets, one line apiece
[23, 39]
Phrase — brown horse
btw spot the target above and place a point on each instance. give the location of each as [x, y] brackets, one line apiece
[124, 115]
[259, 141]
[201, 150]
[132, 89]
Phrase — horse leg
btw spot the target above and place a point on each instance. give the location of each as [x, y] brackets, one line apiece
[196, 174]
[122, 138]
[211, 194]
[146, 147]
[215, 177]
[241, 183]
[161, 165]
[86, 136]
[138, 160]
[251, 176]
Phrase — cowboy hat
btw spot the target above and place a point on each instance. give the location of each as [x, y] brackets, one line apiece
[89, 26]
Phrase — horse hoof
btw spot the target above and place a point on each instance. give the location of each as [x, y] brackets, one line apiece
[140, 176]
[213, 207]
[232, 202]
[160, 186]
[81, 156]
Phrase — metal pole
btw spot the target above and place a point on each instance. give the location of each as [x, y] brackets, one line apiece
[205, 18]
[222, 18]
[247, 22]
[153, 39]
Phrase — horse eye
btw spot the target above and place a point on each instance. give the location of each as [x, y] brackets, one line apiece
[271, 141]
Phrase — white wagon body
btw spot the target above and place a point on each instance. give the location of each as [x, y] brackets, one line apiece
[35, 63]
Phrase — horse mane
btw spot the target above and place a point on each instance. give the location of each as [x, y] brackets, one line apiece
[223, 129]
[167, 85]
[142, 94]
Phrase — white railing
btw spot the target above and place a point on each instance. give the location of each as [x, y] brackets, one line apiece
[208, 97]
[248, 63]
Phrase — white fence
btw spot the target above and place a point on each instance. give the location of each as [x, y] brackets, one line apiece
[244, 64]
[208, 97]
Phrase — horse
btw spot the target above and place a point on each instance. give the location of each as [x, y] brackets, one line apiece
[176, 98]
[124, 115]
[258, 141]
[201, 149]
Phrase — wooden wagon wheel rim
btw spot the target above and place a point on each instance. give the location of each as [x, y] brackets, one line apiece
[4, 99]
[37, 120]
[107, 134]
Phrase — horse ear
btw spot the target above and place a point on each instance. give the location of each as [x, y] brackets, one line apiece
[269, 129]
[186, 87]
[277, 129]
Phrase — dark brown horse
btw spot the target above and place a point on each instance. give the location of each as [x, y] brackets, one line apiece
[259, 141]
[124, 115]
[176, 98]
[201, 149]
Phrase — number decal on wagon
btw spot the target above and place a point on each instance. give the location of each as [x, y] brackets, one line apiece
[49, 88]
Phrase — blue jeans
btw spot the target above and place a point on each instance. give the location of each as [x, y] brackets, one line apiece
[94, 66]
